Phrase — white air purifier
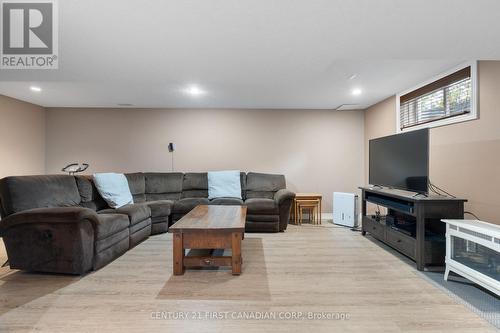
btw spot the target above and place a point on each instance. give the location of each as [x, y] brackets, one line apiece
[345, 209]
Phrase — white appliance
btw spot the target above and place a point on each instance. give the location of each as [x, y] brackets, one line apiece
[345, 209]
[473, 251]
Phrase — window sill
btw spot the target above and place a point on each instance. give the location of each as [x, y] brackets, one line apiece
[441, 122]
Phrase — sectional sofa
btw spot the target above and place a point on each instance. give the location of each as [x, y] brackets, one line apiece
[60, 223]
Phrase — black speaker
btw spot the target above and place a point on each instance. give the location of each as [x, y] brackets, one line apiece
[171, 147]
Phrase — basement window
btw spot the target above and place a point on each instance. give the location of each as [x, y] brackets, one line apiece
[447, 99]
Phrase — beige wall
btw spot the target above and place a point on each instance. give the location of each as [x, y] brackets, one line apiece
[22, 138]
[318, 150]
[465, 157]
[380, 121]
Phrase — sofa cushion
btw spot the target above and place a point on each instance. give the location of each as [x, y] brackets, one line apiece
[158, 227]
[27, 192]
[224, 184]
[141, 225]
[261, 206]
[160, 207]
[119, 240]
[113, 187]
[163, 186]
[137, 185]
[187, 204]
[195, 185]
[110, 224]
[135, 212]
[243, 180]
[263, 185]
[90, 197]
[226, 201]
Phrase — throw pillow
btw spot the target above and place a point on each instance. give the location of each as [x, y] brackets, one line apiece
[224, 184]
[113, 187]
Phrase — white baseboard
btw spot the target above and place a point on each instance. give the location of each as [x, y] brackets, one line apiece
[327, 217]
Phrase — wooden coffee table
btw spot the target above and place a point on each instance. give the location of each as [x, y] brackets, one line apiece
[209, 227]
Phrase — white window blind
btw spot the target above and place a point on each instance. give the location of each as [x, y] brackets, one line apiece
[447, 97]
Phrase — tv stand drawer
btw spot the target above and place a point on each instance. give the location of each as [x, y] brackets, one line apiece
[401, 242]
[376, 229]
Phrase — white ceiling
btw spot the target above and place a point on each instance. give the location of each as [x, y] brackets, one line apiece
[254, 53]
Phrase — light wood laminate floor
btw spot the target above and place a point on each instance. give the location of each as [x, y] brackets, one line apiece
[319, 269]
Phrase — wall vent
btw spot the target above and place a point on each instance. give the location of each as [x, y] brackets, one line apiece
[475, 233]
[348, 107]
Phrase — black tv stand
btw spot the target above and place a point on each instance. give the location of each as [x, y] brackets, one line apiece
[427, 246]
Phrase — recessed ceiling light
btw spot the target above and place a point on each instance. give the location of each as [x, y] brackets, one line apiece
[356, 91]
[194, 91]
[37, 89]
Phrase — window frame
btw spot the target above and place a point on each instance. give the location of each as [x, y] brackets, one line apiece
[472, 115]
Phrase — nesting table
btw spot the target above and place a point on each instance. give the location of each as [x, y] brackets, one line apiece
[309, 201]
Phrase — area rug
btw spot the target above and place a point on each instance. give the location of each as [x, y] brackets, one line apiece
[475, 298]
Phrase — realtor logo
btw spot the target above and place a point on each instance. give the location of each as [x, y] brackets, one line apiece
[29, 34]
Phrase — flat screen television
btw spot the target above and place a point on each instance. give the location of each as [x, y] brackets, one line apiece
[400, 161]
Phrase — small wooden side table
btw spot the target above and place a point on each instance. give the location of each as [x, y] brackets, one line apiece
[307, 197]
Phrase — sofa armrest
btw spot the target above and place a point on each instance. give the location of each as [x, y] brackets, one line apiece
[283, 195]
[56, 240]
[284, 199]
[50, 215]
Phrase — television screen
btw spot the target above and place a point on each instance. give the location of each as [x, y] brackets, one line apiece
[400, 161]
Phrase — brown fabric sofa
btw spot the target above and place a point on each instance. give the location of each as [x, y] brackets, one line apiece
[60, 223]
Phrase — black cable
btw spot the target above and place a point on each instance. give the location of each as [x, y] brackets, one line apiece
[430, 188]
[378, 214]
[436, 189]
[451, 195]
[433, 189]
[5, 263]
[472, 214]
[440, 189]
